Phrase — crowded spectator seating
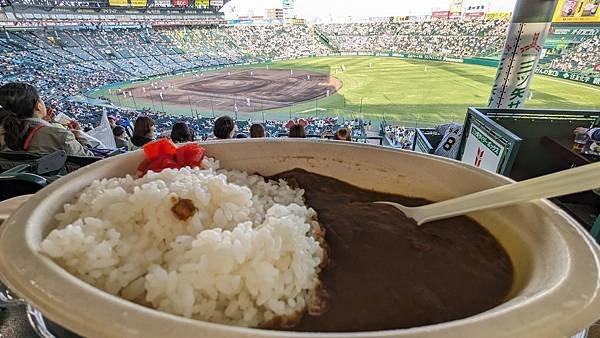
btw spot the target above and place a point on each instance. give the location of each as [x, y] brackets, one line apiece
[464, 38]
[583, 57]
[98, 4]
[65, 63]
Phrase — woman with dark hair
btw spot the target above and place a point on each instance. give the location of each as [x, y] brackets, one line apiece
[297, 131]
[22, 127]
[257, 130]
[181, 133]
[224, 127]
[143, 131]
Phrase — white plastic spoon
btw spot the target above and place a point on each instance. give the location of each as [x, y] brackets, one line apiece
[564, 182]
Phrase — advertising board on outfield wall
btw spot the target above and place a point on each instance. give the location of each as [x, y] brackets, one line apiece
[139, 3]
[593, 80]
[119, 3]
[587, 31]
[577, 11]
[440, 14]
[497, 15]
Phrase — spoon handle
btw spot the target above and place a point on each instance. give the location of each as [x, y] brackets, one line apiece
[564, 182]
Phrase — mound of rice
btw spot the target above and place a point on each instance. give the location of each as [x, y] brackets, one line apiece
[249, 254]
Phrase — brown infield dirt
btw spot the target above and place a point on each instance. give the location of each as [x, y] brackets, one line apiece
[224, 90]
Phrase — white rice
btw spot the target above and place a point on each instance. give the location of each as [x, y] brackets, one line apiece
[249, 255]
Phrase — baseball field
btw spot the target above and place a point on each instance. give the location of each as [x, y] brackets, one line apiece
[399, 90]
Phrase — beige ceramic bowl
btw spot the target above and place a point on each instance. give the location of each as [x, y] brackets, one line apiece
[556, 289]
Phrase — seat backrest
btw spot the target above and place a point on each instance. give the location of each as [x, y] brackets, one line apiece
[9, 160]
[75, 162]
[56, 162]
[20, 184]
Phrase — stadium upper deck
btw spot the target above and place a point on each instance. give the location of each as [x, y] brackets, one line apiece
[111, 3]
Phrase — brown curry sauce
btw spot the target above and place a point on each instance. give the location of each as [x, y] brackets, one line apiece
[385, 272]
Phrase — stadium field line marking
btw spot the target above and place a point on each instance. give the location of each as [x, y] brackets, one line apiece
[310, 110]
[569, 83]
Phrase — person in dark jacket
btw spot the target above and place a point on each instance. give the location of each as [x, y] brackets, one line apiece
[143, 132]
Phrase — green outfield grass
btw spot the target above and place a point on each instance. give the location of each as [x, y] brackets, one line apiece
[414, 91]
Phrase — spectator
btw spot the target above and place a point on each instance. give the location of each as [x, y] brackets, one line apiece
[143, 132]
[343, 134]
[120, 137]
[112, 121]
[592, 133]
[22, 126]
[297, 131]
[257, 130]
[181, 133]
[328, 133]
[224, 128]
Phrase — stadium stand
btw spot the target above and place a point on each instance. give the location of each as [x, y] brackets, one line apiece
[476, 37]
[584, 57]
[66, 62]
[91, 3]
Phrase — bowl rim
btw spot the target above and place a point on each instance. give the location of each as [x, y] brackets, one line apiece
[47, 300]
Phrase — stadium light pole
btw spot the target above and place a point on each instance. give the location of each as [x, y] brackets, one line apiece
[360, 111]
[524, 44]
[134, 103]
[190, 102]
[162, 105]
[153, 105]
[212, 107]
